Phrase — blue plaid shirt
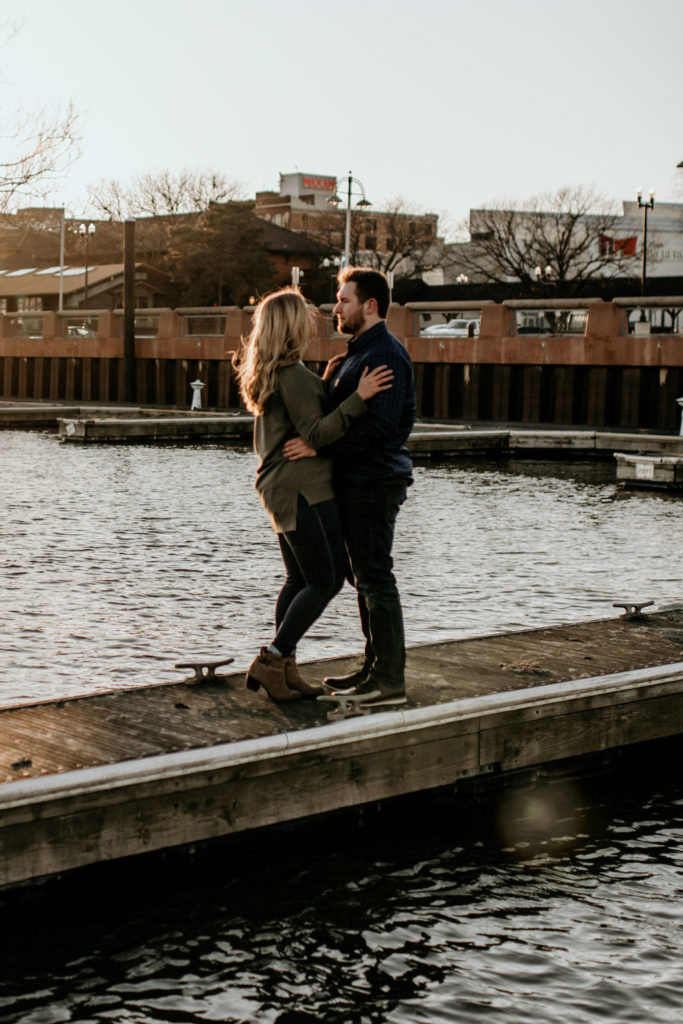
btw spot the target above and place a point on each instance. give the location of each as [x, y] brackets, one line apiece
[374, 447]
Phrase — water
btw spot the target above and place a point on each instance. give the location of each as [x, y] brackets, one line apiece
[121, 561]
[495, 921]
[561, 903]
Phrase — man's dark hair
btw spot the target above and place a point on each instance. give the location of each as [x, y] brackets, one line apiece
[370, 284]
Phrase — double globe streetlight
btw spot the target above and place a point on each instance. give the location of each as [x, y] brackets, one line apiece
[646, 205]
[86, 232]
[336, 201]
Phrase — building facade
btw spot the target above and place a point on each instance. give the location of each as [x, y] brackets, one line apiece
[546, 247]
[383, 238]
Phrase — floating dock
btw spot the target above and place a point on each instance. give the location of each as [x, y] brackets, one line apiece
[94, 778]
[654, 472]
[155, 429]
[131, 425]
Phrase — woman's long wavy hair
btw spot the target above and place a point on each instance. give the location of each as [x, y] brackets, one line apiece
[282, 327]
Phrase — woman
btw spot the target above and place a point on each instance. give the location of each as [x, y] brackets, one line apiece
[289, 400]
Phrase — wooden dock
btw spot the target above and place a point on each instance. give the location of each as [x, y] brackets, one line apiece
[94, 778]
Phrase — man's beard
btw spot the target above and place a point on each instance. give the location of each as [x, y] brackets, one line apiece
[353, 325]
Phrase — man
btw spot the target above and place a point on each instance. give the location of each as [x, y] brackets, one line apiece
[372, 472]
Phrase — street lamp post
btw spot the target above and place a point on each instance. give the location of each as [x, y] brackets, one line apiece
[644, 206]
[86, 232]
[333, 264]
[62, 229]
[336, 201]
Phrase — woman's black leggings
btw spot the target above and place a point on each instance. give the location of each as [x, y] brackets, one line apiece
[315, 560]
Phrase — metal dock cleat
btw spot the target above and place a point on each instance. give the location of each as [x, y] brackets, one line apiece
[633, 610]
[204, 669]
[348, 705]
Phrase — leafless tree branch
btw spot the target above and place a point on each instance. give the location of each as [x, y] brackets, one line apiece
[162, 193]
[35, 151]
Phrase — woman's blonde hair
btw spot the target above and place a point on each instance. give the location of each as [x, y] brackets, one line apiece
[281, 329]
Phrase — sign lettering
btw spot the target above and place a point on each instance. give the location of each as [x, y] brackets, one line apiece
[318, 181]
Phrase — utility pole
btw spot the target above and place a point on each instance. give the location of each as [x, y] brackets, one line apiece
[129, 311]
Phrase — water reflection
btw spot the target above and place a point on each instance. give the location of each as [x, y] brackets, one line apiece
[120, 561]
[441, 922]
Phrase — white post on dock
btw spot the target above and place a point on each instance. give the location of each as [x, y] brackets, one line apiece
[196, 386]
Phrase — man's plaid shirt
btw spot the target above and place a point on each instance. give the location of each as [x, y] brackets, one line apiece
[374, 447]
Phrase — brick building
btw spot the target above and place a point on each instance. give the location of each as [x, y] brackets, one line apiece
[378, 237]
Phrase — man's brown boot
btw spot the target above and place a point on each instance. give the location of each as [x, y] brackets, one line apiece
[347, 684]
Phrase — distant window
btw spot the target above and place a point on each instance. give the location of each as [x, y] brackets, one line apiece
[412, 227]
[371, 225]
[304, 220]
[371, 241]
[29, 304]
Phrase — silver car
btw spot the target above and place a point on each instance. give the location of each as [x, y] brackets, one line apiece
[456, 328]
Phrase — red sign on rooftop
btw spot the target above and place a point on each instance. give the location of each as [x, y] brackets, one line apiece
[319, 181]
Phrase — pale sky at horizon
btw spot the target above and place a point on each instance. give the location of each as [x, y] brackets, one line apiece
[450, 104]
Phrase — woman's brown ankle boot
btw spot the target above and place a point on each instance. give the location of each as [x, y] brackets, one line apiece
[295, 680]
[268, 671]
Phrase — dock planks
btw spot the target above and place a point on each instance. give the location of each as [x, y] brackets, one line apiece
[90, 778]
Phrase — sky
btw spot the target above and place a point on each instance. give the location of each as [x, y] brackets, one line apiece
[450, 104]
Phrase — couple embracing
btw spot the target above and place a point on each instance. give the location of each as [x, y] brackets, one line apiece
[333, 473]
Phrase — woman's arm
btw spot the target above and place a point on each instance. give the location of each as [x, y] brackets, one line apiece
[304, 402]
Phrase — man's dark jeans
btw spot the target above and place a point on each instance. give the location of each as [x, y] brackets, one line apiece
[368, 518]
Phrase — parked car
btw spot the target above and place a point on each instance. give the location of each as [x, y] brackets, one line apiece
[80, 332]
[457, 328]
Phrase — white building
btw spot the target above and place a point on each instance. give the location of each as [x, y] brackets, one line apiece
[615, 250]
[664, 236]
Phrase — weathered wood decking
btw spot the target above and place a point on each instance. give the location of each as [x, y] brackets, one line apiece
[93, 778]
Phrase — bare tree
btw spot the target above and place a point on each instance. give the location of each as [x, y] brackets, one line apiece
[36, 146]
[218, 256]
[400, 238]
[566, 234]
[162, 193]
[407, 243]
[35, 150]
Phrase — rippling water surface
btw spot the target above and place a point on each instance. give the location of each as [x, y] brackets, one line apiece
[565, 907]
[560, 904]
[120, 561]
